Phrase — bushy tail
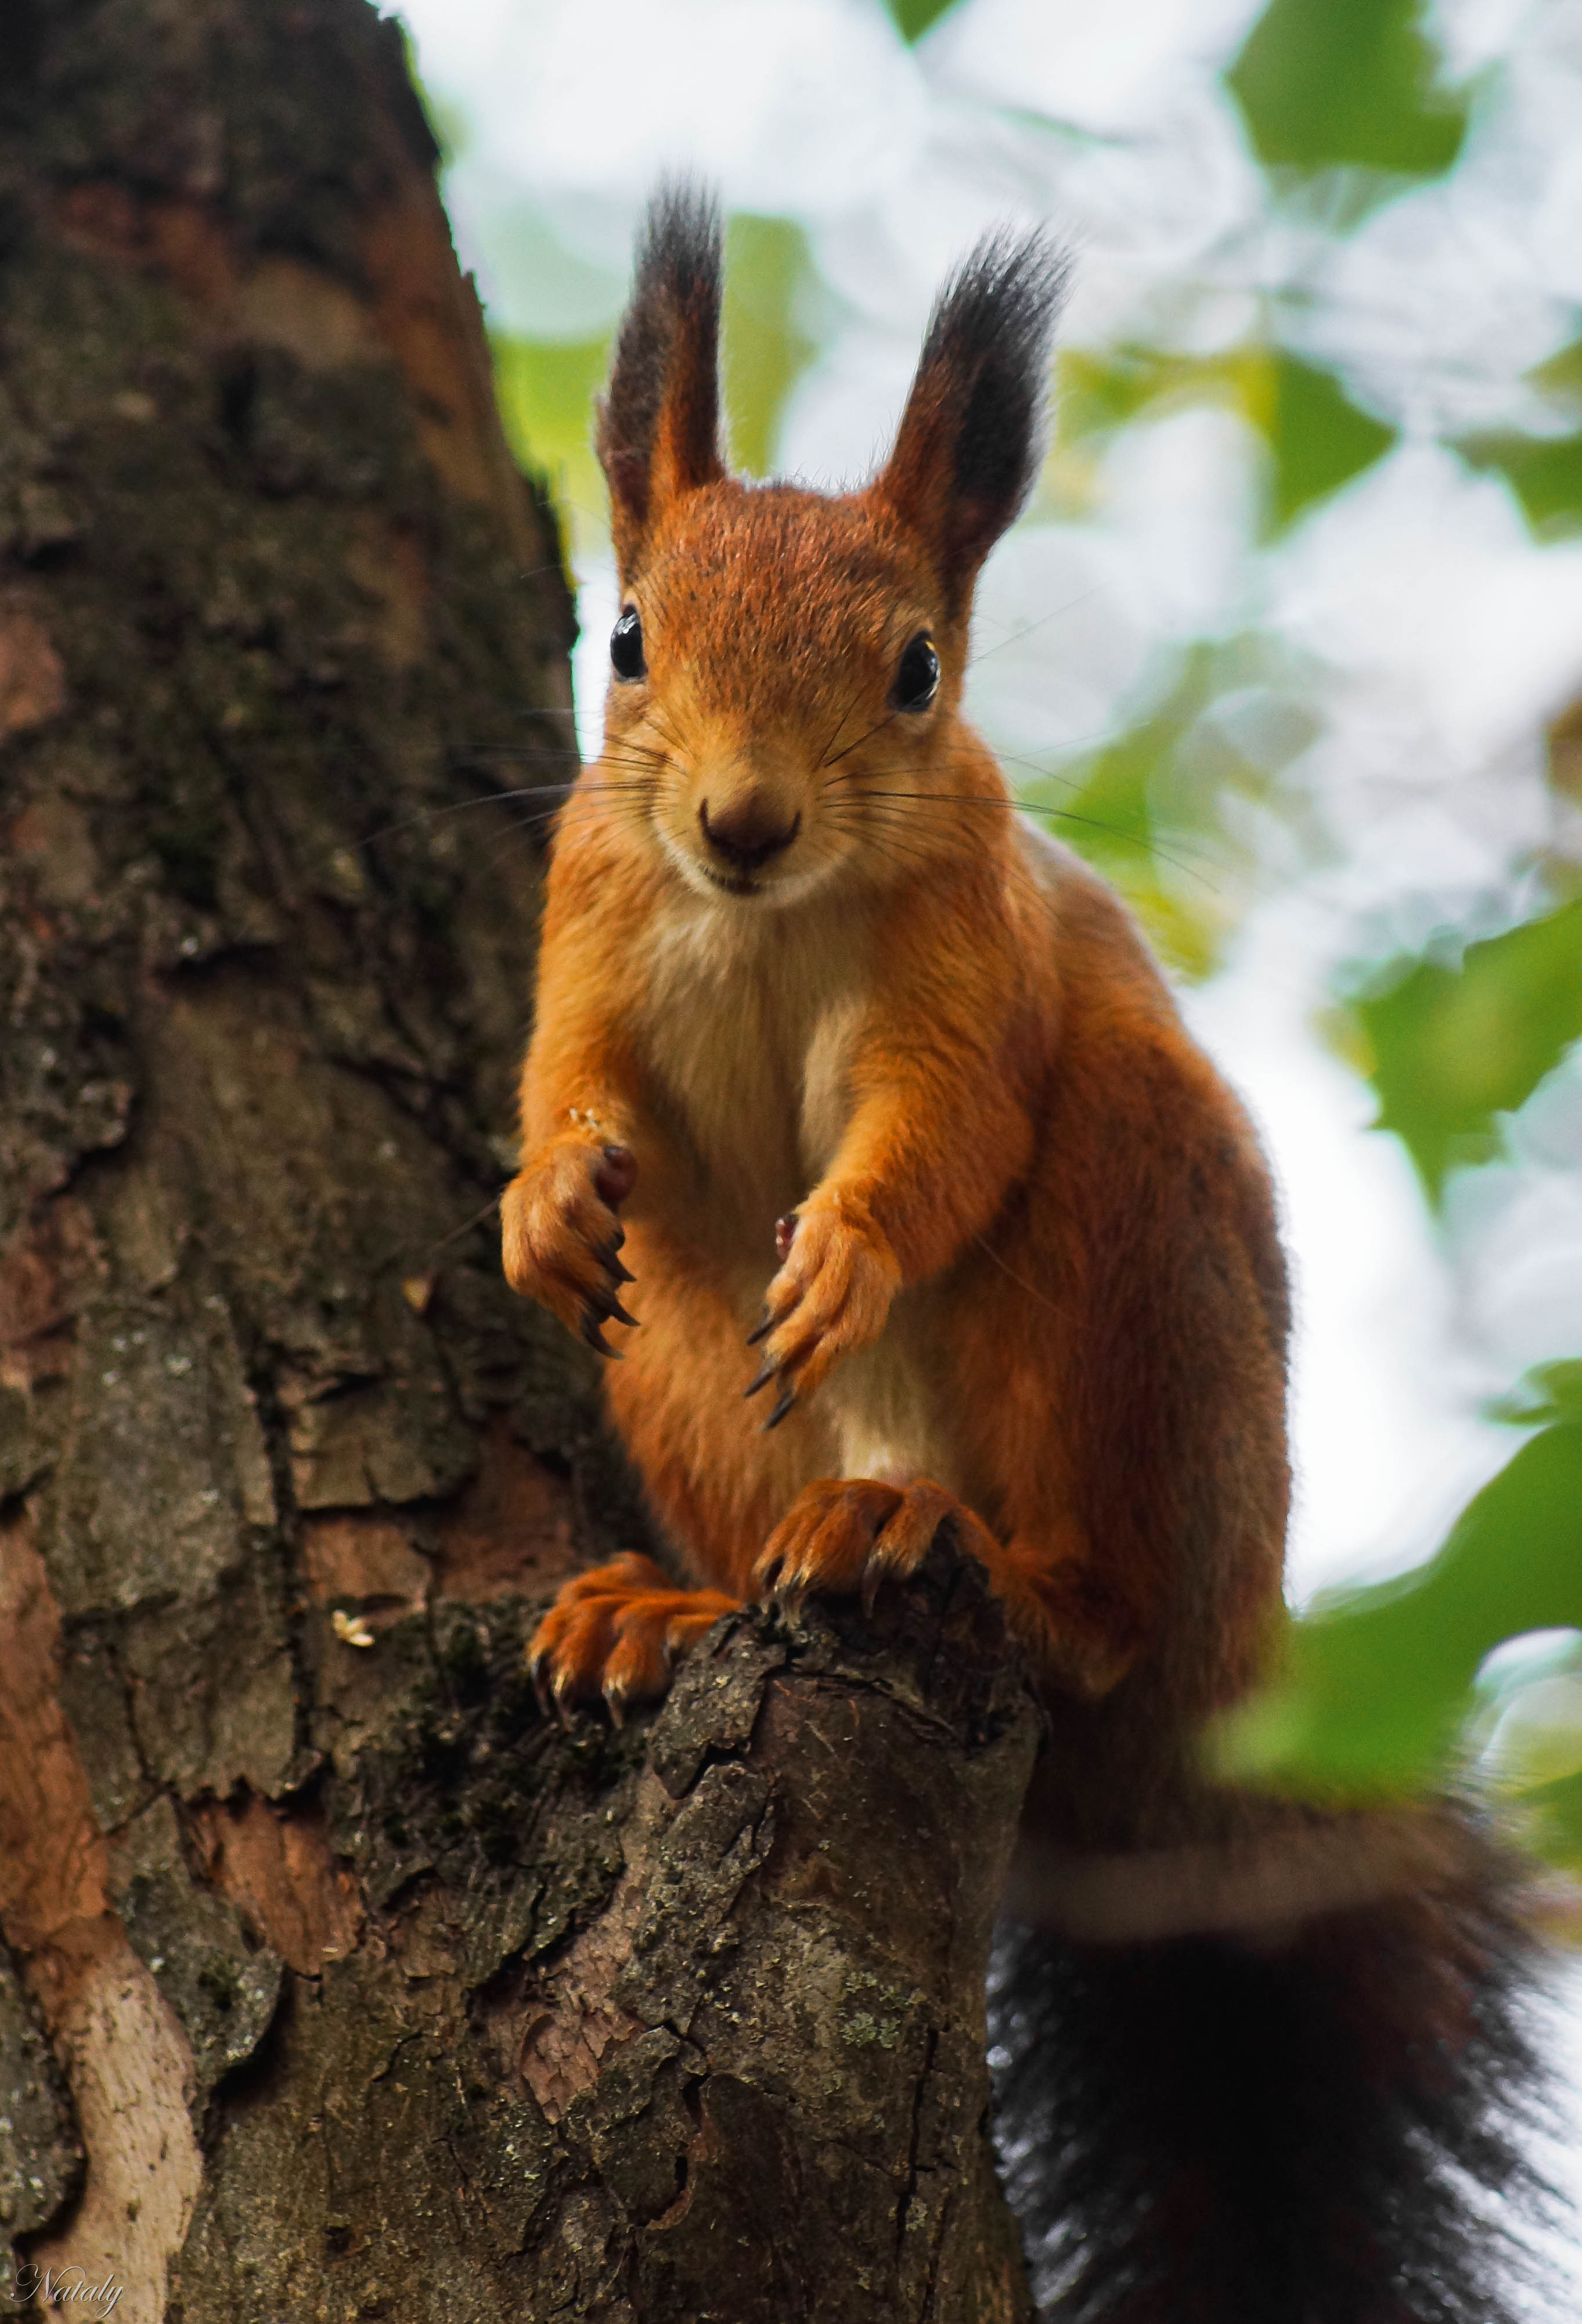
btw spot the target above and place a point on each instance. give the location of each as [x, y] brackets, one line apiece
[1325, 2127]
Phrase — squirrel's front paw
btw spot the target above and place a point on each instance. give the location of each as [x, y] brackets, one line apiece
[831, 1296]
[561, 1234]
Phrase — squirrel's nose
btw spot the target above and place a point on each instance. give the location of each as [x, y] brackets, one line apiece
[745, 831]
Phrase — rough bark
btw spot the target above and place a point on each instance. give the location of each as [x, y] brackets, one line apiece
[335, 1981]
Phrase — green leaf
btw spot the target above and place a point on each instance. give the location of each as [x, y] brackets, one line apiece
[1544, 472]
[1549, 1392]
[1318, 438]
[1097, 394]
[1100, 393]
[1150, 808]
[546, 391]
[1554, 1821]
[1107, 807]
[767, 266]
[1450, 1048]
[1327, 82]
[915, 17]
[1378, 1683]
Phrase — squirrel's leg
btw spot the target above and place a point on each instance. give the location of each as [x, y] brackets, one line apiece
[714, 1482]
[561, 1235]
[844, 1535]
[584, 1144]
[938, 1134]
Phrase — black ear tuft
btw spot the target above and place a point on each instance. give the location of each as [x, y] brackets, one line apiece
[973, 435]
[658, 426]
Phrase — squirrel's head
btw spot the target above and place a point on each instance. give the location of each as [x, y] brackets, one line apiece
[786, 667]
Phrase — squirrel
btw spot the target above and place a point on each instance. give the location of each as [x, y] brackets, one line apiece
[867, 1097]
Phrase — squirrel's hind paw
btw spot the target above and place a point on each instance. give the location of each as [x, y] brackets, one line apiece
[615, 1634]
[846, 1534]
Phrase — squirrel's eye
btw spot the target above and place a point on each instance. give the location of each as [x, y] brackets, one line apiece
[918, 679]
[625, 645]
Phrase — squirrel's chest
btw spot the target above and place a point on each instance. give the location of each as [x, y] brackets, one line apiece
[747, 1035]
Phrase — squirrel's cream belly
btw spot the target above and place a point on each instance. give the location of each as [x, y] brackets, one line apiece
[748, 1033]
[889, 1404]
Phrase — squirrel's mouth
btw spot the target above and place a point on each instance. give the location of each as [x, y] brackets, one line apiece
[732, 883]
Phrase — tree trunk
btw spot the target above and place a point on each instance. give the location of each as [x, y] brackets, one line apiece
[336, 1982]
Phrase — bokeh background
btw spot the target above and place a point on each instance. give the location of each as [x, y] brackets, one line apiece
[1289, 644]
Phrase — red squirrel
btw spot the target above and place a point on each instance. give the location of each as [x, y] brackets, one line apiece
[860, 1125]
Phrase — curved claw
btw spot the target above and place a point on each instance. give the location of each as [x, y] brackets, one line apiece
[837, 1279]
[613, 1635]
[788, 1399]
[605, 1306]
[779, 1582]
[592, 1332]
[538, 1671]
[764, 1375]
[564, 1681]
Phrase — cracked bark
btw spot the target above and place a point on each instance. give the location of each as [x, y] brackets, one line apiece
[335, 1982]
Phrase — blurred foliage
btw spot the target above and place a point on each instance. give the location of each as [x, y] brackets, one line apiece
[1110, 810]
[768, 270]
[1450, 1048]
[1155, 809]
[1323, 83]
[1316, 438]
[1319, 438]
[1545, 472]
[1380, 1684]
[1384, 1688]
[915, 17]
[1100, 392]
[546, 391]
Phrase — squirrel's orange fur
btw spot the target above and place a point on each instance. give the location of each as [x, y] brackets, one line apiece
[827, 1033]
[1033, 1275]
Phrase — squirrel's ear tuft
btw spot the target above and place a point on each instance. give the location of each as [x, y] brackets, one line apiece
[972, 437]
[659, 428]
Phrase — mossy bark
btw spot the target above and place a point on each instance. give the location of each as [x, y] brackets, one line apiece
[335, 1981]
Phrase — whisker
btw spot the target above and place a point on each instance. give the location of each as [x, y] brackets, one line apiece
[458, 806]
[1020, 1281]
[823, 757]
[1014, 803]
[857, 745]
[1069, 607]
[915, 800]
